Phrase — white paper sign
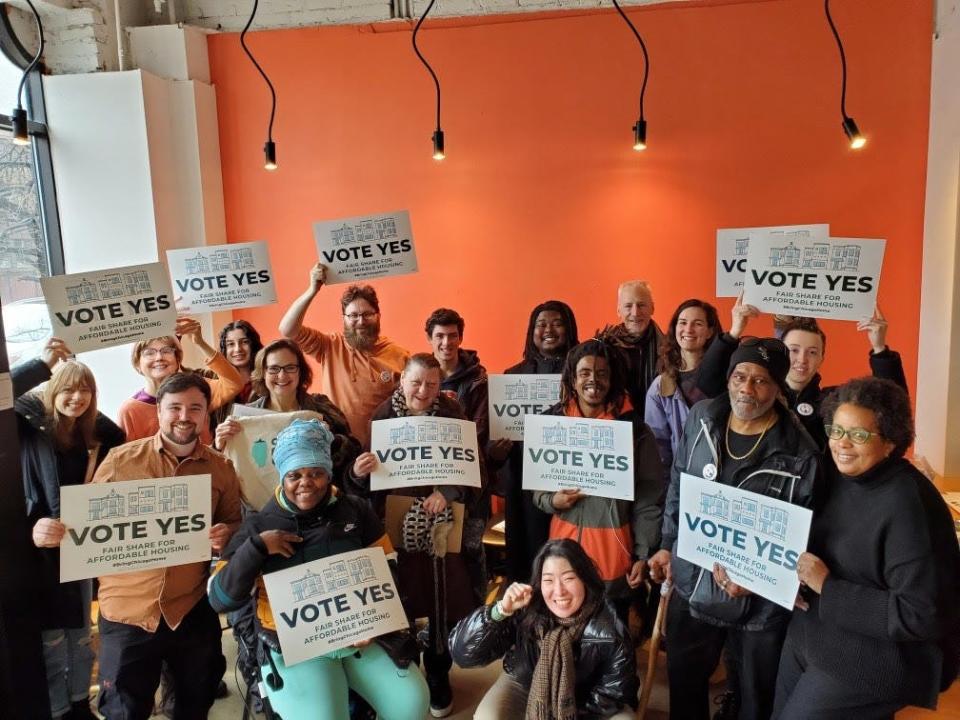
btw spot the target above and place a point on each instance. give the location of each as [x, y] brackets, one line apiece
[222, 277]
[239, 410]
[100, 309]
[733, 243]
[422, 450]
[366, 247]
[756, 538]
[835, 279]
[120, 527]
[333, 603]
[593, 456]
[514, 396]
[251, 452]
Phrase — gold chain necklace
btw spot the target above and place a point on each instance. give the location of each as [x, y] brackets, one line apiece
[750, 452]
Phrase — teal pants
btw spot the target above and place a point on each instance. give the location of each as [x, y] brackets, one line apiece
[317, 689]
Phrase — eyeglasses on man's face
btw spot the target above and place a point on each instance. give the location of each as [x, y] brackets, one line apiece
[356, 317]
[288, 369]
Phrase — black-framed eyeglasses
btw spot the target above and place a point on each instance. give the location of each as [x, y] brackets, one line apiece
[857, 435]
[277, 369]
[354, 317]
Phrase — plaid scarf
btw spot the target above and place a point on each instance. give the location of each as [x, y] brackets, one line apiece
[553, 685]
[399, 403]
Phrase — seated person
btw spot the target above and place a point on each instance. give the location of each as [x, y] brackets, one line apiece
[308, 519]
[565, 653]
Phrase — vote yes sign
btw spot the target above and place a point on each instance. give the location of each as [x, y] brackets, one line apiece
[222, 277]
[757, 539]
[366, 247]
[103, 308]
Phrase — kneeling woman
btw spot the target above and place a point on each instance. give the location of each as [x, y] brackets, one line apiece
[306, 520]
[565, 656]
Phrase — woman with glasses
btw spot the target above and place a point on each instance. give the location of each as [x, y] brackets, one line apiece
[280, 381]
[158, 358]
[880, 576]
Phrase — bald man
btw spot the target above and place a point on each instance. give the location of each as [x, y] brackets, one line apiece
[638, 337]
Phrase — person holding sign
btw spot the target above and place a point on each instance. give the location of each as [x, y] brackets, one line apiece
[281, 382]
[465, 379]
[565, 652]
[239, 344]
[807, 344]
[748, 439]
[882, 571]
[551, 332]
[638, 337]
[308, 519]
[433, 582]
[155, 616]
[358, 368]
[618, 535]
[157, 359]
[693, 328]
[62, 440]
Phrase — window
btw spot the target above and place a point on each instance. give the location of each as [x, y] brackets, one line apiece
[29, 227]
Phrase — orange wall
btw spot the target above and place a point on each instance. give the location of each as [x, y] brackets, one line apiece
[541, 194]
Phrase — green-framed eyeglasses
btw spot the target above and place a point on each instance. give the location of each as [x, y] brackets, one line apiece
[856, 435]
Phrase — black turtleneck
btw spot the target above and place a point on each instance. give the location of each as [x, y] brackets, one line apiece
[874, 624]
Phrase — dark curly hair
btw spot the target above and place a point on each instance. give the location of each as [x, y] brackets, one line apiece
[670, 358]
[888, 402]
[530, 352]
[444, 316]
[256, 344]
[618, 374]
[537, 617]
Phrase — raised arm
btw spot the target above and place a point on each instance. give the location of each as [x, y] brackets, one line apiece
[292, 321]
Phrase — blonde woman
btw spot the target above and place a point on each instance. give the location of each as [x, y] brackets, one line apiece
[62, 440]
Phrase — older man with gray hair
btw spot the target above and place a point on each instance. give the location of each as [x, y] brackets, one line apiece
[637, 337]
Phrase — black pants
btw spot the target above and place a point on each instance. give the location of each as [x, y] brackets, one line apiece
[527, 530]
[130, 659]
[693, 651]
[806, 693]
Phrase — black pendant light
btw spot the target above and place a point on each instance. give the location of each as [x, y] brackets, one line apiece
[438, 149]
[640, 128]
[857, 140]
[270, 148]
[21, 134]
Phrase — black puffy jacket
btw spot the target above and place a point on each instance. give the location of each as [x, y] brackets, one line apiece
[786, 467]
[605, 662]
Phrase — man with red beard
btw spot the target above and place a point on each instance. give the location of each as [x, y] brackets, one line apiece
[358, 368]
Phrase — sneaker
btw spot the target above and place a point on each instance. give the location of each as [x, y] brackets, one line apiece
[729, 706]
[441, 695]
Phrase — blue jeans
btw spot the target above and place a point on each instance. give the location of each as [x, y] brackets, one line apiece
[69, 660]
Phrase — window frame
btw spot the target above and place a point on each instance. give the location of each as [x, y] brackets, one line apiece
[14, 51]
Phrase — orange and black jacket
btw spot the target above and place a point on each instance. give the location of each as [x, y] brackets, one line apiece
[339, 523]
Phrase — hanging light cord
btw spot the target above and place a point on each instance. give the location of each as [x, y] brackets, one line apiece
[273, 93]
[36, 58]
[436, 82]
[843, 61]
[646, 57]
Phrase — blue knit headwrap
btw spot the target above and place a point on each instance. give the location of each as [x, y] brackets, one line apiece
[303, 444]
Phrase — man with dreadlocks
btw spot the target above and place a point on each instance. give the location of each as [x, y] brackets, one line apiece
[617, 534]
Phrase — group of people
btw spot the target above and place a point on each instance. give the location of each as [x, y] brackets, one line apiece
[875, 626]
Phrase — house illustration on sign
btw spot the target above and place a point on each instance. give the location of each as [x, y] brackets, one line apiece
[579, 435]
[146, 500]
[340, 574]
[427, 431]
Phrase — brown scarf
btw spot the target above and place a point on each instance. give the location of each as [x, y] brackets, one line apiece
[553, 686]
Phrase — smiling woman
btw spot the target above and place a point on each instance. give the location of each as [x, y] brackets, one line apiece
[562, 644]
